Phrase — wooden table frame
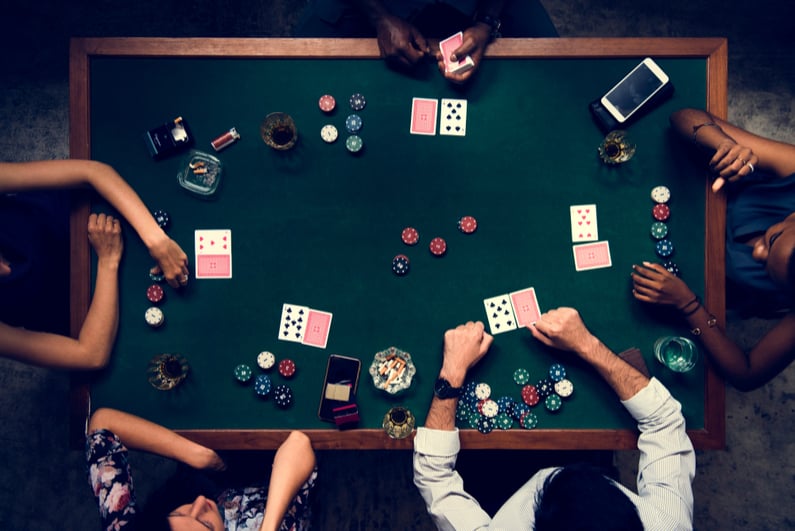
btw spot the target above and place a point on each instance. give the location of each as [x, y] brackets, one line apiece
[713, 50]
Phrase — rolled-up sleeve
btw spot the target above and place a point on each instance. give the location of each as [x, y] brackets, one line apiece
[450, 506]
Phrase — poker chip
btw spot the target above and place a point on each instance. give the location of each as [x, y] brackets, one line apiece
[354, 143]
[485, 425]
[154, 317]
[266, 360]
[410, 236]
[162, 218]
[544, 388]
[357, 102]
[156, 277]
[489, 408]
[467, 224]
[503, 421]
[659, 230]
[327, 103]
[243, 373]
[474, 419]
[671, 267]
[262, 385]
[482, 391]
[553, 402]
[155, 293]
[468, 395]
[505, 403]
[287, 368]
[520, 409]
[283, 396]
[564, 388]
[462, 411]
[557, 372]
[353, 123]
[529, 420]
[521, 376]
[660, 194]
[438, 246]
[664, 248]
[400, 265]
[661, 212]
[530, 395]
[329, 133]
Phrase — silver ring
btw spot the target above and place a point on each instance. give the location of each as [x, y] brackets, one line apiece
[752, 167]
[184, 279]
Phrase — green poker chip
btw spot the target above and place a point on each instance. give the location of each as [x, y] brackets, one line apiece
[553, 402]
[243, 373]
[659, 230]
[503, 421]
[521, 376]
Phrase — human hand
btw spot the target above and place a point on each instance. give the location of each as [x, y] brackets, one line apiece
[563, 329]
[655, 284]
[171, 260]
[104, 234]
[474, 43]
[731, 162]
[464, 346]
[400, 43]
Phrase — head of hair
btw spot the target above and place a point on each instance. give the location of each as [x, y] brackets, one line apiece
[581, 498]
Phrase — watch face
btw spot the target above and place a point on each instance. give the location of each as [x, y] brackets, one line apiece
[443, 389]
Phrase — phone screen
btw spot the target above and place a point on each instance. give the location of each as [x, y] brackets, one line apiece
[340, 384]
[634, 90]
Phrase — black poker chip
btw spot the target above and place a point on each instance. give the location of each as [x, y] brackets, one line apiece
[283, 396]
[671, 267]
[162, 218]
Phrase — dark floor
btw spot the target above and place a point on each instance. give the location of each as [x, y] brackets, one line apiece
[749, 486]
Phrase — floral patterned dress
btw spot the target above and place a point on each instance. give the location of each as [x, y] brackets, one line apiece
[110, 478]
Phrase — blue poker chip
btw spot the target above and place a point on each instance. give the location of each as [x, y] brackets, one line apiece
[664, 248]
[353, 123]
[519, 409]
[485, 425]
[262, 385]
[506, 404]
[357, 102]
[557, 372]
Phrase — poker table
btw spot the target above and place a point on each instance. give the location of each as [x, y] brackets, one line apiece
[319, 226]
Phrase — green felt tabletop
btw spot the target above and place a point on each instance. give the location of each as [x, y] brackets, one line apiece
[318, 227]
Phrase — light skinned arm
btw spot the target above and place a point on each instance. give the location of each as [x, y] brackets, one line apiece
[745, 371]
[140, 434]
[563, 329]
[735, 153]
[21, 176]
[92, 348]
[292, 465]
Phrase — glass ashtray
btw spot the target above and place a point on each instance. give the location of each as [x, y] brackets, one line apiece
[392, 370]
[201, 174]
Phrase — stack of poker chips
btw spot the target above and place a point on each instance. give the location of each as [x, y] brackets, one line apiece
[478, 409]
[263, 384]
[661, 212]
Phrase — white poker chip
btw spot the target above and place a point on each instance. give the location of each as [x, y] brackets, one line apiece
[660, 194]
[490, 408]
[564, 388]
[482, 391]
[154, 317]
[329, 133]
[266, 360]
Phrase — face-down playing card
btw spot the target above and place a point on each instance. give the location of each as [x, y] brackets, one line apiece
[592, 256]
[423, 116]
[525, 307]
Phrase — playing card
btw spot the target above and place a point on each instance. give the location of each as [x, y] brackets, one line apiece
[423, 116]
[525, 306]
[292, 326]
[213, 253]
[453, 117]
[591, 256]
[317, 328]
[583, 223]
[500, 314]
[447, 47]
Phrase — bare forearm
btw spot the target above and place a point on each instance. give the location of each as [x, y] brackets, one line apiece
[99, 329]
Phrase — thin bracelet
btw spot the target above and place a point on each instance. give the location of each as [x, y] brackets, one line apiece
[699, 126]
[691, 312]
[695, 299]
[711, 322]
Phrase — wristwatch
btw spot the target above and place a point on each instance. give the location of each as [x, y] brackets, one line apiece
[442, 389]
[490, 21]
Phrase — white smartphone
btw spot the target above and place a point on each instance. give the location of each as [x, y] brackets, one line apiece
[637, 87]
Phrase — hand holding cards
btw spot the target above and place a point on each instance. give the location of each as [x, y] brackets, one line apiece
[450, 45]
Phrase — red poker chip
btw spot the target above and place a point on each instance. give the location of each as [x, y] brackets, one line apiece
[530, 395]
[410, 236]
[438, 246]
[467, 224]
[287, 368]
[661, 212]
[327, 103]
[155, 293]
